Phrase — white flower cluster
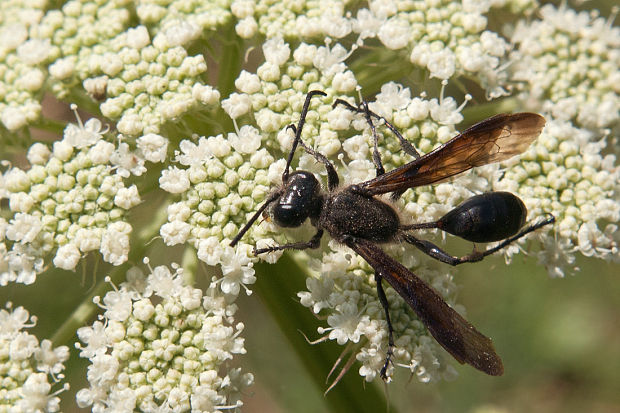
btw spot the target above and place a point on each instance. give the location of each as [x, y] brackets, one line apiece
[142, 82]
[28, 369]
[569, 66]
[344, 293]
[161, 346]
[184, 20]
[223, 181]
[71, 201]
[225, 178]
[565, 174]
[217, 185]
[148, 83]
[22, 63]
[447, 38]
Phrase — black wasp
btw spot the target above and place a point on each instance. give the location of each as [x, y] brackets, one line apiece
[355, 217]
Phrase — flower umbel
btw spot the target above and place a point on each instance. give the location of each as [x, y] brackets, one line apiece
[71, 201]
[161, 345]
[28, 368]
[187, 134]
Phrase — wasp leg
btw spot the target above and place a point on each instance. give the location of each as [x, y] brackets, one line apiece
[313, 243]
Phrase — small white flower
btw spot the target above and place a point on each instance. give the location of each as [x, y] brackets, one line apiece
[163, 282]
[218, 146]
[23, 228]
[268, 72]
[50, 359]
[118, 305]
[192, 154]
[445, 111]
[175, 232]
[127, 161]
[248, 82]
[319, 291]
[330, 61]
[143, 309]
[81, 136]
[442, 64]
[205, 94]
[23, 202]
[153, 147]
[35, 395]
[236, 105]
[67, 257]
[359, 170]
[13, 118]
[127, 198]
[181, 32]
[305, 54]
[138, 37]
[103, 369]
[236, 270]
[246, 27]
[344, 82]
[248, 140]
[38, 154]
[267, 120]
[132, 124]
[367, 24]
[34, 51]
[101, 152]
[62, 68]
[88, 239]
[179, 211]
[174, 180]
[115, 243]
[94, 337]
[276, 51]
[344, 324]
[395, 33]
[210, 251]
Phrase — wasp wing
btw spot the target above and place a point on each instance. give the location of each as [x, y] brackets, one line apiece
[493, 140]
[449, 328]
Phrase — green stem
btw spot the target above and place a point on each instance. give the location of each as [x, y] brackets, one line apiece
[476, 113]
[276, 284]
[230, 61]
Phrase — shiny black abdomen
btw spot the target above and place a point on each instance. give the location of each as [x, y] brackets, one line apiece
[488, 217]
[348, 214]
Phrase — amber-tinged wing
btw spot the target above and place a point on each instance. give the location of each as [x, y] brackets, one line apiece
[492, 140]
[453, 332]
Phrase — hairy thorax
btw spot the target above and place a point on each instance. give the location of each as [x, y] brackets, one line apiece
[349, 214]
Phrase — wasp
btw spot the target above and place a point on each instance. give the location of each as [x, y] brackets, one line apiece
[355, 216]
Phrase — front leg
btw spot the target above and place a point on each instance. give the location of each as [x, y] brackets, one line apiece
[313, 243]
[332, 175]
